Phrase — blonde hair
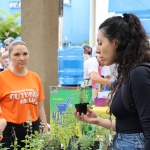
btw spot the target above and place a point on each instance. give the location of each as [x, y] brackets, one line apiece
[15, 43]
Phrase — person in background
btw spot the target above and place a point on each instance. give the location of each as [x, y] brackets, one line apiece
[96, 74]
[123, 41]
[4, 60]
[92, 70]
[87, 51]
[94, 51]
[21, 97]
[1, 62]
[111, 70]
[7, 42]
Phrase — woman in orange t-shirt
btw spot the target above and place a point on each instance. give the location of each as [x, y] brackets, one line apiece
[21, 97]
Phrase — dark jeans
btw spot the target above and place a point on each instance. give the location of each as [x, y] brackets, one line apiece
[20, 131]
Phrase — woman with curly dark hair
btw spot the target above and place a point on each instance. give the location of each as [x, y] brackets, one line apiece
[123, 41]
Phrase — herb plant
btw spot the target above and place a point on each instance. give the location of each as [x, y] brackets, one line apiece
[83, 94]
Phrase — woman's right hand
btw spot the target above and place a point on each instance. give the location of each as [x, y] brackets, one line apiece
[90, 117]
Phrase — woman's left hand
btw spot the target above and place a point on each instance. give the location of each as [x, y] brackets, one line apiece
[3, 124]
[90, 117]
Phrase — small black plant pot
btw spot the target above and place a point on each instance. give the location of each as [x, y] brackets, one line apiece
[96, 145]
[81, 108]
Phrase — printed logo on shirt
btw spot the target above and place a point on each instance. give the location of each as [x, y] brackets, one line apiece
[26, 96]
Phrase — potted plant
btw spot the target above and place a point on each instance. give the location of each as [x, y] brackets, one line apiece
[51, 142]
[97, 134]
[67, 133]
[92, 138]
[73, 143]
[62, 130]
[65, 129]
[88, 140]
[83, 100]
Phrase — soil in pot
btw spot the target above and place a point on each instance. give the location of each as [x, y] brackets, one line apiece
[81, 108]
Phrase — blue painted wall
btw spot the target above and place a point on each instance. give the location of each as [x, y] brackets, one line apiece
[76, 21]
[141, 8]
[76, 18]
[4, 4]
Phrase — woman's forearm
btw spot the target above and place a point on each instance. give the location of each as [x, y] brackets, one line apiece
[106, 123]
[42, 115]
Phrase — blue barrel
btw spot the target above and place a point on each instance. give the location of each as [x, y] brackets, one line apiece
[70, 65]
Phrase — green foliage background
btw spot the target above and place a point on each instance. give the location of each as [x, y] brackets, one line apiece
[9, 26]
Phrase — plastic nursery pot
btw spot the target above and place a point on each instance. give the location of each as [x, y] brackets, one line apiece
[96, 145]
[81, 108]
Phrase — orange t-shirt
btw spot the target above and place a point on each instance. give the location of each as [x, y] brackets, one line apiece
[20, 95]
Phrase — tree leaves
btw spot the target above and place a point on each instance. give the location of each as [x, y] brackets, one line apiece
[9, 25]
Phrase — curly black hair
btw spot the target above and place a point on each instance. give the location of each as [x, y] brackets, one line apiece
[133, 46]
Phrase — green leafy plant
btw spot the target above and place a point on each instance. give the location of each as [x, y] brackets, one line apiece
[67, 133]
[15, 145]
[60, 134]
[51, 142]
[97, 133]
[86, 142]
[65, 128]
[34, 142]
[83, 94]
[2, 148]
[92, 138]
[73, 143]
[9, 26]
